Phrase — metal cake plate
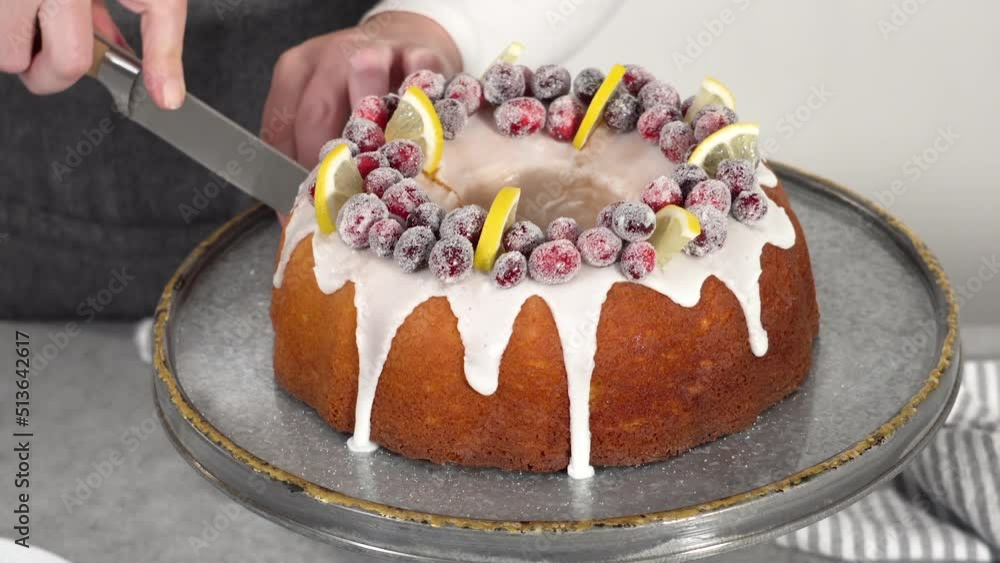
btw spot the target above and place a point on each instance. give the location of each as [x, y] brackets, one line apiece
[885, 374]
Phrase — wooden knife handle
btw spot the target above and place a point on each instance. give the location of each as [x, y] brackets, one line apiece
[101, 47]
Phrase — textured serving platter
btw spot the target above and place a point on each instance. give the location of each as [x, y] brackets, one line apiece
[885, 374]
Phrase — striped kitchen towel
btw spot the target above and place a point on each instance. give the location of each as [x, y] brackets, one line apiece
[945, 506]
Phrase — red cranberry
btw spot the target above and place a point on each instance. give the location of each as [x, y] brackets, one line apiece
[651, 121]
[452, 115]
[523, 237]
[356, 218]
[404, 155]
[529, 76]
[510, 269]
[565, 115]
[658, 93]
[403, 197]
[373, 109]
[586, 83]
[563, 228]
[622, 112]
[426, 215]
[430, 82]
[710, 192]
[365, 133]
[383, 236]
[599, 246]
[633, 221]
[369, 161]
[413, 248]
[502, 82]
[550, 82]
[661, 192]
[635, 78]
[749, 207]
[520, 117]
[714, 230]
[378, 181]
[686, 105]
[676, 138]
[688, 176]
[465, 88]
[708, 124]
[464, 222]
[638, 260]
[737, 174]
[554, 262]
[451, 259]
[334, 143]
[729, 114]
[606, 217]
[391, 102]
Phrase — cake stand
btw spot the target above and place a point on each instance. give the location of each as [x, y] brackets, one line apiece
[885, 374]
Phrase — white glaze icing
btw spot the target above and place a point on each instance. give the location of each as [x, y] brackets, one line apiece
[563, 181]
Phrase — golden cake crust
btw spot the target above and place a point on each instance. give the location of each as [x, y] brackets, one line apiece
[667, 378]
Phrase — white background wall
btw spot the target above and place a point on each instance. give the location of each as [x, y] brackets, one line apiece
[893, 87]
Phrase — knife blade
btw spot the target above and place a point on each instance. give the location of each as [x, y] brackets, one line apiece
[202, 133]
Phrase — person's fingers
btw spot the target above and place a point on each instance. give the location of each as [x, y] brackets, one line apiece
[162, 46]
[17, 30]
[421, 58]
[370, 68]
[67, 46]
[106, 27]
[290, 77]
[323, 110]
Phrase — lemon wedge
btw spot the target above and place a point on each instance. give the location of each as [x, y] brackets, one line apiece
[595, 111]
[675, 228]
[498, 220]
[416, 120]
[712, 92]
[337, 180]
[738, 141]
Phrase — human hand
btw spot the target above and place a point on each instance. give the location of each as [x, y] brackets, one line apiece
[65, 31]
[320, 80]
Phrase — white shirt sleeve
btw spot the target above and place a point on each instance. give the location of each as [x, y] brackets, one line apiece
[549, 29]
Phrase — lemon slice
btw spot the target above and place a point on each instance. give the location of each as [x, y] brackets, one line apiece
[738, 141]
[712, 92]
[416, 120]
[509, 55]
[675, 228]
[498, 220]
[595, 111]
[338, 179]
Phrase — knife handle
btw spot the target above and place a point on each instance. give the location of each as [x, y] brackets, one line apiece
[117, 69]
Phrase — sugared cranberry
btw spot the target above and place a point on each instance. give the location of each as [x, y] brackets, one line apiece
[563, 228]
[464, 222]
[661, 192]
[520, 117]
[633, 221]
[565, 115]
[365, 133]
[510, 269]
[550, 81]
[714, 229]
[451, 259]
[465, 88]
[414, 248]
[502, 82]
[523, 237]
[334, 143]
[430, 82]
[554, 262]
[737, 174]
[658, 93]
[599, 246]
[686, 105]
[709, 123]
[635, 78]
[688, 176]
[452, 115]
[749, 207]
[710, 192]
[729, 114]
[391, 102]
[652, 120]
[403, 197]
[622, 112]
[426, 215]
[404, 155]
[586, 83]
[529, 76]
[676, 138]
[373, 109]
[378, 181]
[638, 260]
[369, 161]
[356, 218]
[383, 236]
[606, 217]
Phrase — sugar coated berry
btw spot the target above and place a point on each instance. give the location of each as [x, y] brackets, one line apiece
[523, 237]
[520, 117]
[383, 236]
[714, 229]
[586, 83]
[465, 222]
[606, 217]
[430, 82]
[622, 112]
[563, 228]
[550, 82]
[365, 133]
[729, 114]
[529, 75]
[652, 120]
[710, 192]
[452, 115]
[554, 262]
[502, 82]
[633, 221]
[378, 180]
[658, 93]
[688, 176]
[426, 215]
[565, 115]
[404, 155]
[373, 109]
[356, 218]
[451, 259]
[465, 88]
[334, 143]
[391, 102]
[638, 260]
[635, 78]
[709, 123]
[749, 207]
[599, 246]
[403, 197]
[510, 269]
[369, 161]
[676, 138]
[737, 174]
[661, 192]
[414, 248]
[686, 104]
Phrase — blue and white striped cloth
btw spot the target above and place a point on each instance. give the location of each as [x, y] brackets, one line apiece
[945, 506]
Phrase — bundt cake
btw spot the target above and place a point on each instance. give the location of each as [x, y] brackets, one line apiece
[535, 272]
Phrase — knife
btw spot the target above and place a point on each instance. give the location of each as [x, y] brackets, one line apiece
[208, 137]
